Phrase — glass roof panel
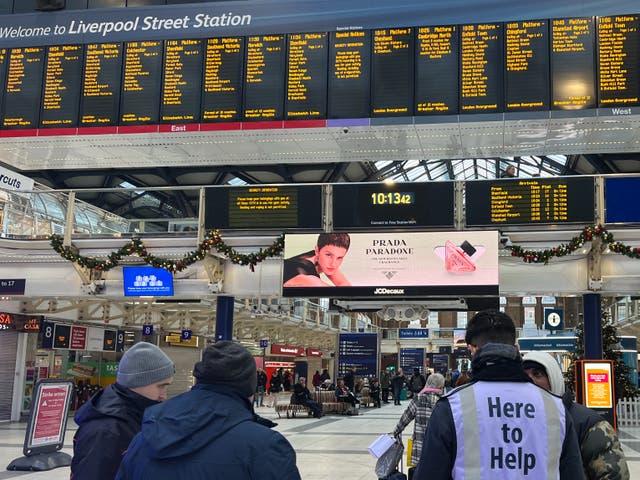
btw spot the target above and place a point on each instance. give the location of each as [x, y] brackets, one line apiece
[471, 169]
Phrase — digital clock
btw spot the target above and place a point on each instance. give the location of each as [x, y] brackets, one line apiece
[392, 198]
[393, 206]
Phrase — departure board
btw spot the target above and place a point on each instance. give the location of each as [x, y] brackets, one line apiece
[530, 201]
[573, 63]
[349, 74]
[23, 87]
[527, 65]
[141, 83]
[101, 85]
[392, 72]
[306, 76]
[400, 205]
[182, 81]
[264, 207]
[618, 60]
[222, 84]
[436, 58]
[481, 71]
[62, 86]
[264, 78]
[4, 58]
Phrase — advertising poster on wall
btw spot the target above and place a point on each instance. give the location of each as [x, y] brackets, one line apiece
[397, 264]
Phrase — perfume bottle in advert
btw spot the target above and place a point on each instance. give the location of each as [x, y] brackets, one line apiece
[457, 259]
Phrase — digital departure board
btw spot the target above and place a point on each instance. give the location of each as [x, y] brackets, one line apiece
[223, 71]
[101, 85]
[400, 205]
[481, 72]
[306, 96]
[352, 74]
[392, 72]
[264, 83]
[4, 58]
[141, 83]
[527, 65]
[349, 74]
[572, 63]
[264, 207]
[530, 201]
[23, 90]
[618, 60]
[62, 86]
[182, 81]
[436, 58]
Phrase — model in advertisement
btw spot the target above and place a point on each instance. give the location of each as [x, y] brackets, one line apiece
[304, 270]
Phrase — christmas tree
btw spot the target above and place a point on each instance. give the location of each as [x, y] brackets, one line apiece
[611, 350]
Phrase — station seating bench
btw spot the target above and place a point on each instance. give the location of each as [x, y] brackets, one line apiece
[327, 398]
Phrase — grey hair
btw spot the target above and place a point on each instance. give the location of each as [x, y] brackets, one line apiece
[435, 380]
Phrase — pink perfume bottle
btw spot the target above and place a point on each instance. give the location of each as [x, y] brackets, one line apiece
[458, 259]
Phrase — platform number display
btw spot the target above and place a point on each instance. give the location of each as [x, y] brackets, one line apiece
[120, 341]
[47, 334]
[147, 330]
[186, 335]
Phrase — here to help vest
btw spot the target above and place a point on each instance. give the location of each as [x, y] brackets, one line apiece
[507, 430]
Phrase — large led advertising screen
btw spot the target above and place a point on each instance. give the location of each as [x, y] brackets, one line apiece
[383, 265]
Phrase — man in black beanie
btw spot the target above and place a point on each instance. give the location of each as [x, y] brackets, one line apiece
[211, 431]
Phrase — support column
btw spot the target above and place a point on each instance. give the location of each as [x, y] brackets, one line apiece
[592, 327]
[224, 318]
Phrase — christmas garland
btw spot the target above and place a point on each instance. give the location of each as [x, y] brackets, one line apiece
[588, 233]
[136, 247]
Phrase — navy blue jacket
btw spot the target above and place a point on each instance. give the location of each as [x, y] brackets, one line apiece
[106, 425]
[207, 433]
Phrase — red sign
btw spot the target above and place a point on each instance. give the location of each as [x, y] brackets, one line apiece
[314, 352]
[287, 350]
[50, 416]
[78, 338]
[29, 324]
[6, 321]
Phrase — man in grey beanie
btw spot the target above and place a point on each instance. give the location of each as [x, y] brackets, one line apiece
[211, 432]
[108, 422]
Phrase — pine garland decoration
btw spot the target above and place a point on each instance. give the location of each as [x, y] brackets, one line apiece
[588, 233]
[136, 246]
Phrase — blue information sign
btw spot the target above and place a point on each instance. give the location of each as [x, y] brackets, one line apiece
[147, 330]
[621, 196]
[440, 362]
[264, 343]
[359, 351]
[413, 333]
[12, 286]
[186, 334]
[553, 319]
[553, 344]
[411, 358]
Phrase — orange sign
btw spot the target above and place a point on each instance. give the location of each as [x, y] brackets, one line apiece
[598, 385]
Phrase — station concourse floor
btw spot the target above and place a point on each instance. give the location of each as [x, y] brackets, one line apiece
[332, 447]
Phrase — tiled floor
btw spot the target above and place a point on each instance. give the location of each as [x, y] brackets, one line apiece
[328, 448]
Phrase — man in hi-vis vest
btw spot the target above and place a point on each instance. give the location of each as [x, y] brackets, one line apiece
[499, 426]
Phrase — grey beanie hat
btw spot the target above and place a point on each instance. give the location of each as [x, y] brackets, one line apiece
[144, 364]
[228, 363]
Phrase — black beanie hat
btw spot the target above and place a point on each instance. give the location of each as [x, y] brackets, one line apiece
[228, 363]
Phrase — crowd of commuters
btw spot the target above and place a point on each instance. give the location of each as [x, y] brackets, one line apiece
[504, 417]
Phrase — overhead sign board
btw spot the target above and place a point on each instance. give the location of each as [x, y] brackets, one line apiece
[413, 333]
